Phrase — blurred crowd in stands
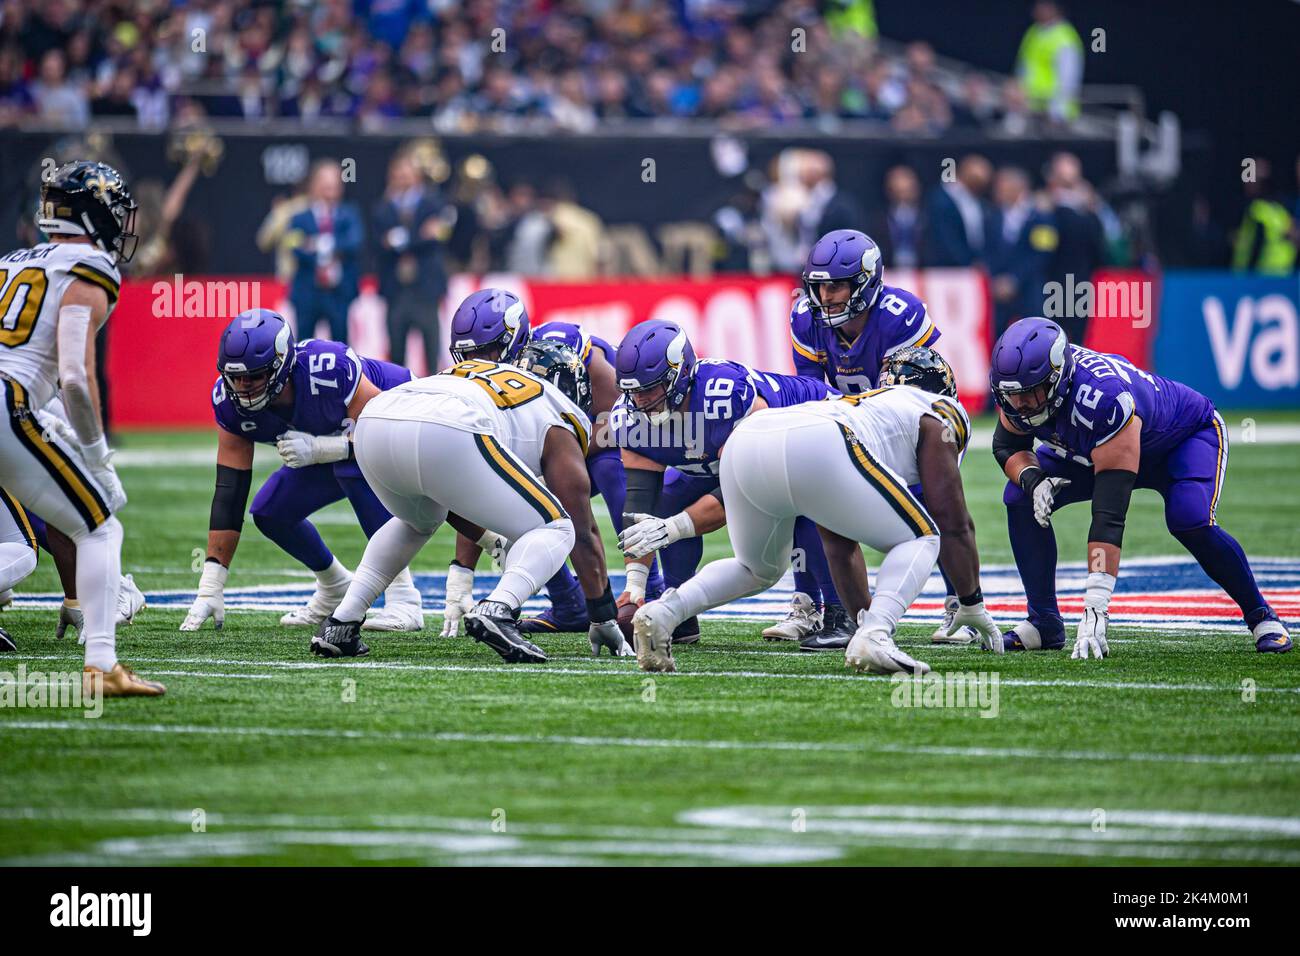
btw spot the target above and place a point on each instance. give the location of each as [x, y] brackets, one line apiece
[471, 65]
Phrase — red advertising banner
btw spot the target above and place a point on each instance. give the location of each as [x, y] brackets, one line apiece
[164, 333]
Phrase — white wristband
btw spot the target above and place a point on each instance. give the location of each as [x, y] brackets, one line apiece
[330, 448]
[637, 576]
[460, 582]
[213, 579]
[96, 453]
[1100, 586]
[680, 526]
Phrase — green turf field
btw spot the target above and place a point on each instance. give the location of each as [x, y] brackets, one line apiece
[433, 751]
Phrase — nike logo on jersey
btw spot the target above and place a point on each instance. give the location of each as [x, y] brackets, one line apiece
[1113, 413]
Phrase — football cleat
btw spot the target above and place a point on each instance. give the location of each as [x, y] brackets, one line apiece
[130, 600]
[7, 644]
[1271, 636]
[834, 634]
[964, 635]
[551, 621]
[687, 632]
[394, 617]
[653, 638]
[339, 639]
[321, 605]
[1025, 637]
[801, 620]
[493, 623]
[872, 649]
[121, 681]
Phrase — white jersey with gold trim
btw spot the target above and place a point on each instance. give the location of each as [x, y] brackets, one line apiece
[512, 405]
[888, 422]
[32, 284]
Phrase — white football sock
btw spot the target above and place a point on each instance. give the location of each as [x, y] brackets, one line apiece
[333, 576]
[99, 572]
[716, 584]
[17, 560]
[390, 550]
[532, 561]
[402, 590]
[902, 574]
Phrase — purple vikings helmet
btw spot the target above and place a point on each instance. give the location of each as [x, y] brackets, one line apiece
[256, 343]
[1030, 369]
[656, 355]
[843, 255]
[489, 318]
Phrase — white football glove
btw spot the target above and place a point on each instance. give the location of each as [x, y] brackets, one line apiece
[299, 449]
[98, 459]
[1090, 637]
[645, 534]
[71, 617]
[607, 634]
[1045, 498]
[211, 600]
[460, 598]
[495, 546]
[978, 617]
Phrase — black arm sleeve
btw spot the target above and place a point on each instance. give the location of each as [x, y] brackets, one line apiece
[1006, 443]
[230, 498]
[643, 488]
[1111, 492]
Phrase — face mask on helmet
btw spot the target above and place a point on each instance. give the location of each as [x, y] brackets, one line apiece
[1032, 405]
[651, 401]
[250, 390]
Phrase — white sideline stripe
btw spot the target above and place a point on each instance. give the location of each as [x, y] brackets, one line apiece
[996, 753]
[615, 670]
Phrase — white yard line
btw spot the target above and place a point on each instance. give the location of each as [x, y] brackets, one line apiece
[655, 743]
[620, 669]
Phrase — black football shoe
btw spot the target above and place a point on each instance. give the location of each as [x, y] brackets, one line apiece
[7, 644]
[339, 639]
[834, 634]
[493, 623]
[687, 632]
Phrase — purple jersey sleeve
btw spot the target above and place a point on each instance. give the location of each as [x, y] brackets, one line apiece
[385, 375]
[808, 359]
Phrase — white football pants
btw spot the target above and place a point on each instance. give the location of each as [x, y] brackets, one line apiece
[423, 470]
[778, 467]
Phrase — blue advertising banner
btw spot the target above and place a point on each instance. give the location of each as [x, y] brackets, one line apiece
[1234, 338]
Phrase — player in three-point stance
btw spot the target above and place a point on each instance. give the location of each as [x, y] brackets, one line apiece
[484, 445]
[847, 464]
[1105, 428]
[301, 397]
[492, 324]
[54, 297]
[676, 414]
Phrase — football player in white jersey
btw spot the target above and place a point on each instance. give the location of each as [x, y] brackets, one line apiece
[846, 463]
[53, 299]
[487, 445]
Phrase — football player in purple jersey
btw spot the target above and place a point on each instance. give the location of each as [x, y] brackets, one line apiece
[844, 326]
[675, 415]
[1105, 427]
[301, 397]
[492, 324]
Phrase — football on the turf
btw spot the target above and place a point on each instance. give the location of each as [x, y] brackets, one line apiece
[625, 615]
